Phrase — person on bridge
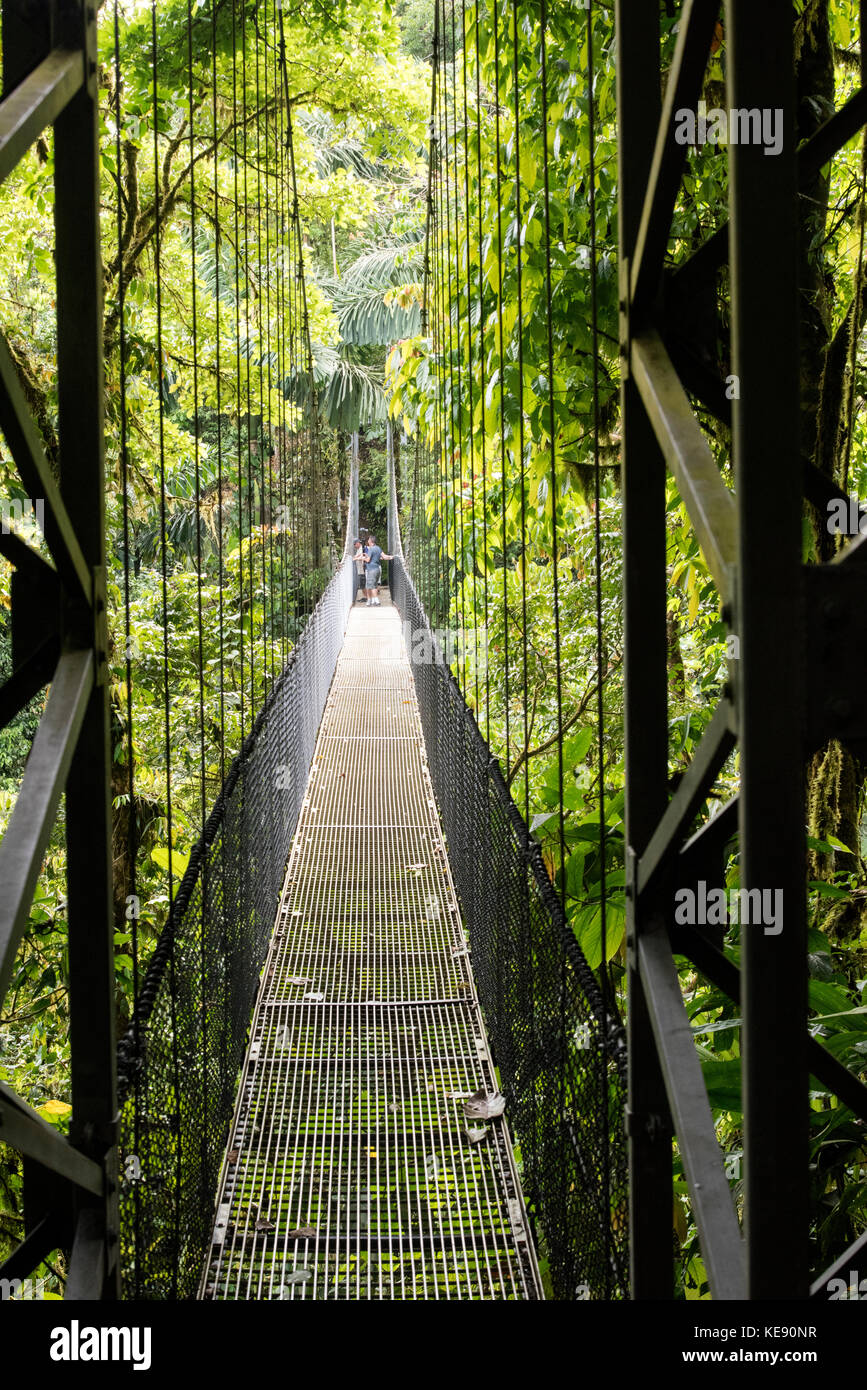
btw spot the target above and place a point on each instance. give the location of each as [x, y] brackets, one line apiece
[358, 559]
[374, 555]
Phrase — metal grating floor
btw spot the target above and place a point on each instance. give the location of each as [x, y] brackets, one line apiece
[349, 1173]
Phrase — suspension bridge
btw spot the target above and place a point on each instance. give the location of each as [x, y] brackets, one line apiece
[366, 1056]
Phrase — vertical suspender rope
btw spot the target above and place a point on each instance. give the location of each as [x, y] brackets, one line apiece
[248, 370]
[857, 310]
[281, 456]
[438, 468]
[307, 342]
[501, 385]
[604, 979]
[264, 356]
[239, 263]
[422, 476]
[218, 389]
[482, 386]
[264, 359]
[552, 430]
[597, 473]
[464, 376]
[224, 1010]
[471, 431]
[297, 424]
[448, 462]
[199, 622]
[132, 817]
[165, 590]
[455, 373]
[554, 493]
[521, 472]
[444, 318]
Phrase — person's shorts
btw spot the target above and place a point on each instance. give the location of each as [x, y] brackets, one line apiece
[372, 575]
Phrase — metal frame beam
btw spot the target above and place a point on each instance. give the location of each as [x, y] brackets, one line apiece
[23, 1129]
[769, 482]
[711, 506]
[669, 158]
[36, 103]
[50, 78]
[645, 675]
[837, 131]
[693, 1121]
[27, 834]
[752, 543]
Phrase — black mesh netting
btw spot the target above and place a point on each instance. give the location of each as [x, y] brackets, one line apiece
[180, 1062]
[562, 1068]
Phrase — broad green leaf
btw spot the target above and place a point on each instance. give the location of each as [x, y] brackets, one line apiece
[723, 1082]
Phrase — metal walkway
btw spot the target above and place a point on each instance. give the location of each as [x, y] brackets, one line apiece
[353, 1171]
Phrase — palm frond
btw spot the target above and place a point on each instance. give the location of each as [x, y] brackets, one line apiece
[386, 265]
[349, 394]
[365, 318]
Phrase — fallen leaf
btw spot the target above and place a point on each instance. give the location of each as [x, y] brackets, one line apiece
[484, 1105]
[233, 1155]
[263, 1225]
[476, 1136]
[314, 998]
[299, 1276]
[302, 1233]
[297, 980]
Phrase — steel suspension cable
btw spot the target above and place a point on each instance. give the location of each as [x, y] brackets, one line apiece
[264, 354]
[597, 504]
[423, 476]
[198, 524]
[470, 378]
[454, 394]
[223, 943]
[521, 442]
[248, 374]
[239, 266]
[604, 976]
[495, 14]
[552, 429]
[281, 310]
[483, 389]
[445, 460]
[172, 964]
[133, 912]
[215, 139]
[307, 342]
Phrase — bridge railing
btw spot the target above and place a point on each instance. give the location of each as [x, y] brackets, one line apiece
[180, 1061]
[559, 1051]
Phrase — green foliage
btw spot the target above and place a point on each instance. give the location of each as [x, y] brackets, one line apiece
[218, 541]
[506, 445]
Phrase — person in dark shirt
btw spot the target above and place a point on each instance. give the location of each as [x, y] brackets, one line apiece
[373, 557]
